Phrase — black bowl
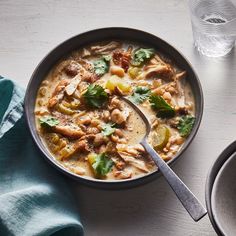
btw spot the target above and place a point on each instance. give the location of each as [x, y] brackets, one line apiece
[221, 191]
[95, 36]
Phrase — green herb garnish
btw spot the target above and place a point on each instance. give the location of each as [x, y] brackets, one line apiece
[140, 94]
[95, 96]
[164, 110]
[101, 66]
[100, 163]
[142, 55]
[108, 129]
[48, 121]
[107, 58]
[185, 125]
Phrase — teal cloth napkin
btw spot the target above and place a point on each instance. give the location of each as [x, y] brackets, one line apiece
[34, 198]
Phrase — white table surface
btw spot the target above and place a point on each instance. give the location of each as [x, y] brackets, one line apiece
[29, 29]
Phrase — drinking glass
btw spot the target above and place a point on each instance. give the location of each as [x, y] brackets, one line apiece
[213, 26]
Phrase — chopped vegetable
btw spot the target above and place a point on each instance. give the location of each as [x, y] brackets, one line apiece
[111, 84]
[48, 121]
[65, 110]
[54, 138]
[66, 152]
[108, 129]
[185, 125]
[95, 96]
[134, 72]
[114, 82]
[100, 163]
[140, 94]
[164, 110]
[72, 104]
[101, 66]
[142, 55]
[124, 87]
[160, 137]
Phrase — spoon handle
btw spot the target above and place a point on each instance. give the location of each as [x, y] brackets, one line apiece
[187, 198]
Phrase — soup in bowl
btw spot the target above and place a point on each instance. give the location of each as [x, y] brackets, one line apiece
[86, 126]
[80, 122]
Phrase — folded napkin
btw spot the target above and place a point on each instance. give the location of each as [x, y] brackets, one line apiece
[34, 198]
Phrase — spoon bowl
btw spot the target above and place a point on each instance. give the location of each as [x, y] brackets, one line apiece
[141, 114]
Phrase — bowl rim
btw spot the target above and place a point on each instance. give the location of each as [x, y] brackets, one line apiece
[110, 183]
[215, 168]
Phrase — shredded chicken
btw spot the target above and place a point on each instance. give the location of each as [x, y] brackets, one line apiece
[133, 161]
[180, 75]
[123, 174]
[68, 131]
[157, 67]
[179, 98]
[134, 150]
[157, 70]
[157, 60]
[85, 63]
[81, 68]
[122, 58]
[72, 69]
[130, 153]
[82, 145]
[85, 53]
[73, 84]
[58, 93]
[120, 164]
[104, 49]
[78, 170]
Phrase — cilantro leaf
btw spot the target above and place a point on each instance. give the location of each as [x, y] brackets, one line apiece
[108, 129]
[101, 66]
[100, 163]
[142, 55]
[164, 110]
[95, 96]
[48, 121]
[140, 94]
[185, 125]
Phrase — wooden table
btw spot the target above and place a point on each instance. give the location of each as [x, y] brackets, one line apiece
[29, 29]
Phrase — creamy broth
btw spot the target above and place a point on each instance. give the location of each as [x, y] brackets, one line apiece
[87, 127]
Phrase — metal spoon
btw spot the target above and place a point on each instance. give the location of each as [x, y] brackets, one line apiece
[186, 197]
